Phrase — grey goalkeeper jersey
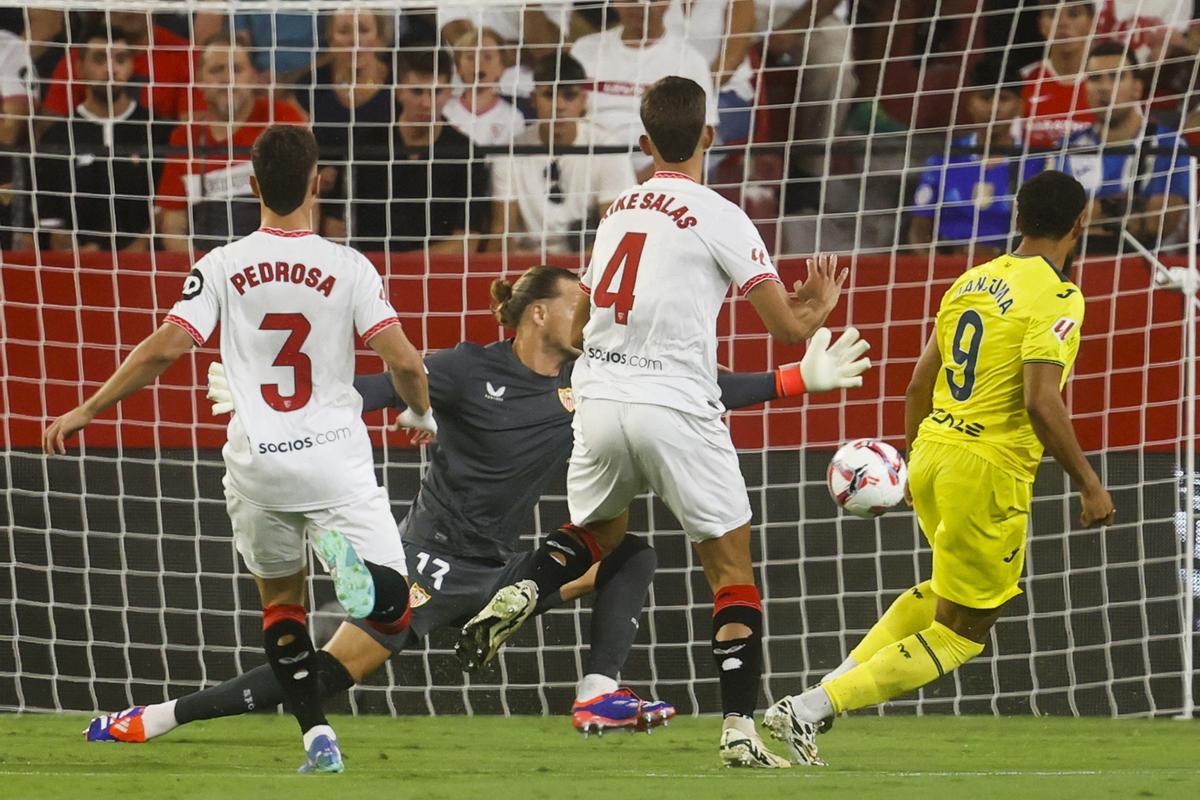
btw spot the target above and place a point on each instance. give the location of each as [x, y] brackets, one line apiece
[504, 433]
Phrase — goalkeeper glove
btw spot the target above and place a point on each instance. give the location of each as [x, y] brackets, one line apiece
[824, 367]
[218, 390]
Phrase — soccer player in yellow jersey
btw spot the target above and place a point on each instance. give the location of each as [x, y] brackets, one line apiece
[985, 398]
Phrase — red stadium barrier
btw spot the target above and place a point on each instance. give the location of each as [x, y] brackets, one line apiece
[69, 318]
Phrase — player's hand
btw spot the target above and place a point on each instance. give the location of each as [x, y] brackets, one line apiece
[218, 390]
[823, 286]
[1097, 507]
[66, 425]
[422, 426]
[838, 367]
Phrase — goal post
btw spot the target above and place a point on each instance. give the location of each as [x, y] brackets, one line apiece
[119, 581]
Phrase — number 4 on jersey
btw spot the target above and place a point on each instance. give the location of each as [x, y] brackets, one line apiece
[624, 260]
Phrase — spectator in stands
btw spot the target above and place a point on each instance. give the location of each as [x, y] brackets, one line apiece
[95, 170]
[417, 185]
[479, 112]
[1055, 94]
[1144, 194]
[964, 201]
[553, 201]
[541, 28]
[162, 62]
[623, 60]
[1151, 28]
[351, 91]
[723, 32]
[18, 99]
[205, 185]
[283, 44]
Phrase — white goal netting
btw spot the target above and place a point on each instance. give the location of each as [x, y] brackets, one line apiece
[463, 142]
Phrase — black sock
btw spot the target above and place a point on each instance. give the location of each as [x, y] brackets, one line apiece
[564, 556]
[292, 657]
[739, 661]
[622, 584]
[256, 689]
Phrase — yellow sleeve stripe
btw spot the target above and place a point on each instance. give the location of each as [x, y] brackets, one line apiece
[1045, 361]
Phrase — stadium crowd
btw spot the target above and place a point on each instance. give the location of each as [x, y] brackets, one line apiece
[892, 124]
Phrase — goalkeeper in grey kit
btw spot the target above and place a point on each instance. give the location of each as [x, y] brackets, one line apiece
[505, 415]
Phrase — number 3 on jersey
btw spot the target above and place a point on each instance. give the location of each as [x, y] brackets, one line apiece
[624, 260]
[965, 355]
[290, 355]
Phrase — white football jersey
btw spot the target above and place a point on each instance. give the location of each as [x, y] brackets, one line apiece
[665, 255]
[290, 304]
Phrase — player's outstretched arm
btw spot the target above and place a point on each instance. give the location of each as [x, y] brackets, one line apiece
[794, 318]
[1052, 424]
[148, 360]
[918, 399]
[408, 374]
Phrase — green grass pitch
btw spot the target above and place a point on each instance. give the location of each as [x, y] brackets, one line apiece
[44, 757]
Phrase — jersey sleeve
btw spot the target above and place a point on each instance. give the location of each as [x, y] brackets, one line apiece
[198, 309]
[1053, 333]
[739, 249]
[372, 310]
[446, 370]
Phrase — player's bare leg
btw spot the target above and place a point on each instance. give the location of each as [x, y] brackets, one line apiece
[737, 646]
[292, 657]
[563, 556]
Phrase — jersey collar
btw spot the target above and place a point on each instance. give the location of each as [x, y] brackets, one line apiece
[287, 234]
[1057, 271]
[666, 173]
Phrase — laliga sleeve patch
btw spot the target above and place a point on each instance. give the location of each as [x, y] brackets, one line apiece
[1063, 327]
[194, 284]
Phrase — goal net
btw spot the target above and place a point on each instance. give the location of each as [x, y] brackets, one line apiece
[892, 133]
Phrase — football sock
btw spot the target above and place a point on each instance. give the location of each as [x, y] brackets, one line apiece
[622, 585]
[564, 556]
[739, 660]
[256, 689]
[896, 669]
[317, 730]
[159, 718]
[291, 654]
[912, 611]
[593, 686]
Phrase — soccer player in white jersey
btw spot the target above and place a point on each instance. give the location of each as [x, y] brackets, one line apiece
[648, 408]
[298, 459]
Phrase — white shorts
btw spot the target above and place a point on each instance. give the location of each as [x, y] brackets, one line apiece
[623, 449]
[272, 542]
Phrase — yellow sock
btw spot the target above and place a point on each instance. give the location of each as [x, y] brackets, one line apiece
[910, 664]
[912, 611]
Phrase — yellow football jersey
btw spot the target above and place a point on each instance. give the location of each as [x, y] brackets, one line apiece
[996, 318]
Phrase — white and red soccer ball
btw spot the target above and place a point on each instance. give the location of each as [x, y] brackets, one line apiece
[867, 477]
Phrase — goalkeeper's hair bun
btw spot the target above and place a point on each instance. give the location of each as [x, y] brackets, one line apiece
[510, 300]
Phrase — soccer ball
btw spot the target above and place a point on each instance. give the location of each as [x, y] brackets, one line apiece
[867, 477]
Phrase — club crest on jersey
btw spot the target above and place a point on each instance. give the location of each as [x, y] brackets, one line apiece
[1063, 327]
[417, 596]
[494, 393]
[193, 285]
[567, 398]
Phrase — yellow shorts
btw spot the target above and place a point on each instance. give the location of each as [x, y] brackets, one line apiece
[975, 516]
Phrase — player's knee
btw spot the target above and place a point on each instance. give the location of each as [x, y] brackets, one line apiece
[969, 623]
[391, 613]
[633, 557]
